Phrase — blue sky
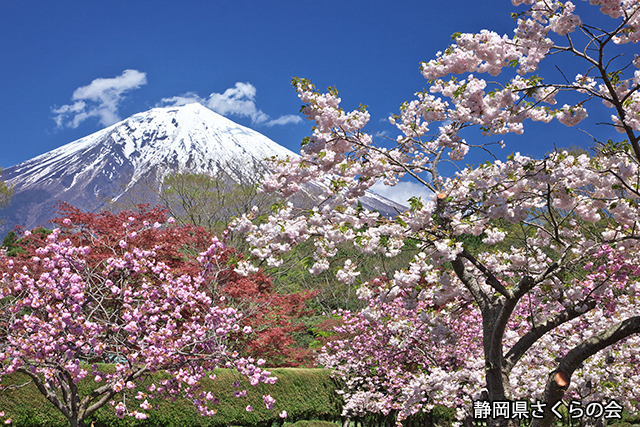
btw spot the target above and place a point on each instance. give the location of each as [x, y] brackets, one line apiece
[214, 50]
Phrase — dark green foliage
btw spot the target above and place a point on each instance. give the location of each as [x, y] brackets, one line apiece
[10, 243]
[627, 420]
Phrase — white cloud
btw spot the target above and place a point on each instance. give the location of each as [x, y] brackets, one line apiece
[99, 99]
[236, 101]
[285, 120]
[179, 101]
[402, 192]
[239, 101]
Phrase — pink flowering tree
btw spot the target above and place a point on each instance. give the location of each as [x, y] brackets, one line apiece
[547, 307]
[386, 354]
[64, 317]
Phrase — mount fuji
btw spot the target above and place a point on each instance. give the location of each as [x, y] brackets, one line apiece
[100, 168]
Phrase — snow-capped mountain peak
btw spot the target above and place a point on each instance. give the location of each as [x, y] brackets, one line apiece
[188, 137]
[95, 170]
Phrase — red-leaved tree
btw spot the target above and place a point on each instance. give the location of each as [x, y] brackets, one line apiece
[134, 290]
[274, 318]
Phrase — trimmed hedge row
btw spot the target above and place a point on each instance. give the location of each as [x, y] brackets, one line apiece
[311, 424]
[303, 393]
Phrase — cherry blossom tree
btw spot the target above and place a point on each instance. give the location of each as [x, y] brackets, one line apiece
[275, 317]
[67, 312]
[547, 311]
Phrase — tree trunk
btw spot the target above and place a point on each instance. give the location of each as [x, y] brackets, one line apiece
[74, 422]
[497, 375]
[593, 422]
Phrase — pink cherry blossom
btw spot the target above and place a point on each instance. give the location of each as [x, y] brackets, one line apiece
[64, 313]
[555, 278]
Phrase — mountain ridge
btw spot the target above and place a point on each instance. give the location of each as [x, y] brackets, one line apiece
[103, 166]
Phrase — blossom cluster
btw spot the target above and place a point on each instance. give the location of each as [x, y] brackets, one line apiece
[526, 264]
[408, 352]
[64, 318]
[403, 357]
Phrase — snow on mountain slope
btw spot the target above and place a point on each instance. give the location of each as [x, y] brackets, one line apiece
[189, 137]
[99, 168]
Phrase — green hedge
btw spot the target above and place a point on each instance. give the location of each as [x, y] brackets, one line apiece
[303, 393]
[311, 424]
[306, 394]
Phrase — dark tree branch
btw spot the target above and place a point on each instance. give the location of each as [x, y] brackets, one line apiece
[47, 392]
[524, 344]
[554, 390]
[491, 279]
